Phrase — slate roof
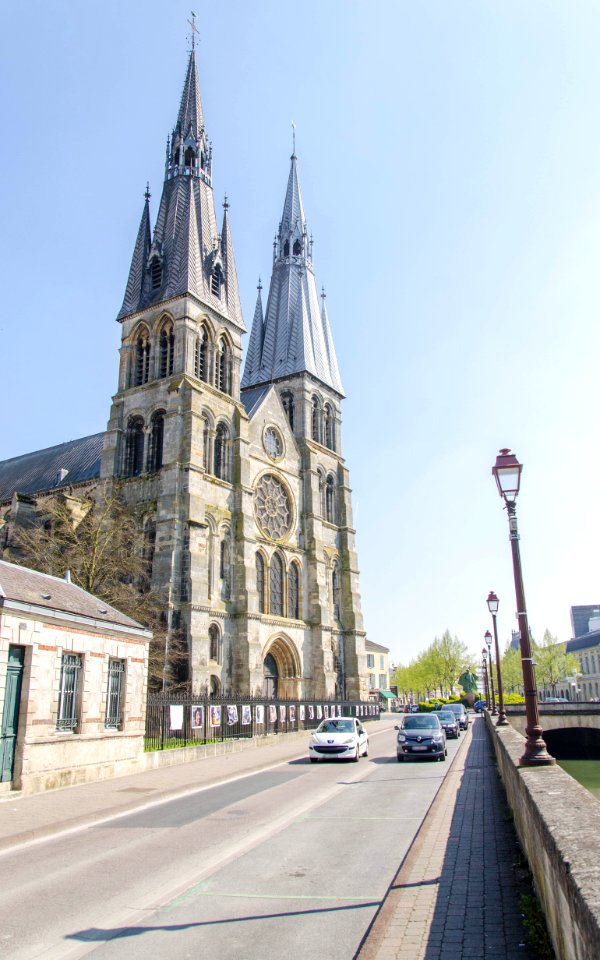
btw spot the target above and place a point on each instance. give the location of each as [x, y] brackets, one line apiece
[584, 642]
[370, 645]
[38, 471]
[294, 336]
[253, 397]
[24, 585]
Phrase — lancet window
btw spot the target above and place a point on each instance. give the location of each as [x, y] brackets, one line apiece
[142, 359]
[330, 511]
[329, 426]
[294, 592]
[155, 449]
[167, 350]
[335, 589]
[260, 583]
[223, 367]
[156, 273]
[222, 470]
[216, 645]
[206, 459]
[201, 360]
[287, 400]
[316, 419]
[216, 280]
[276, 585]
[134, 447]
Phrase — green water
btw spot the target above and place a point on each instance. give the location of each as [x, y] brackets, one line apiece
[587, 772]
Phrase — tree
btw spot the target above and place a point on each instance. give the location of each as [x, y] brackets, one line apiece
[100, 543]
[552, 661]
[512, 671]
[448, 658]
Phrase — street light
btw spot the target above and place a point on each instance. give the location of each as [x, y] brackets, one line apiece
[493, 603]
[488, 640]
[507, 473]
[486, 685]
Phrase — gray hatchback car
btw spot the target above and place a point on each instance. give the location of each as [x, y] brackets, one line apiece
[421, 736]
[461, 714]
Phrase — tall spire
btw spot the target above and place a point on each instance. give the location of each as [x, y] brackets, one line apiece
[295, 336]
[186, 254]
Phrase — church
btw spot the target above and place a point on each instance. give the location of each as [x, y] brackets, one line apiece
[238, 477]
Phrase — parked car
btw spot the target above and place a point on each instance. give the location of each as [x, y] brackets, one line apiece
[449, 722]
[555, 700]
[479, 706]
[461, 713]
[421, 736]
[340, 738]
[414, 708]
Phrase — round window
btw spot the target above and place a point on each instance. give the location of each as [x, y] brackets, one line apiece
[273, 507]
[273, 443]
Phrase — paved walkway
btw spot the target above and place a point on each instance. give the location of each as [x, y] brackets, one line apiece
[443, 904]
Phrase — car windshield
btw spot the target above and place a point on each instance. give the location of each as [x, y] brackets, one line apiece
[447, 715]
[420, 723]
[336, 726]
[456, 707]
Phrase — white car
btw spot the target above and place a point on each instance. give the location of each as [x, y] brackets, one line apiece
[342, 738]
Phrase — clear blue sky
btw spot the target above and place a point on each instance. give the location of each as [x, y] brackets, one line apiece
[450, 165]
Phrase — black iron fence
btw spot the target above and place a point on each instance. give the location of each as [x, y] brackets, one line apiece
[183, 720]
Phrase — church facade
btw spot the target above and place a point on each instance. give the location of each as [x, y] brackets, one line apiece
[239, 479]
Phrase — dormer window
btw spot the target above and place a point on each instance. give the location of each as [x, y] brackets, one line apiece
[286, 248]
[216, 280]
[297, 248]
[156, 273]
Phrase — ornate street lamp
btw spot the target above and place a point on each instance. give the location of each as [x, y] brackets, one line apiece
[488, 640]
[507, 473]
[493, 603]
[486, 685]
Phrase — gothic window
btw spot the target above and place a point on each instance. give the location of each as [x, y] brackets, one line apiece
[272, 507]
[206, 444]
[216, 647]
[155, 449]
[321, 492]
[294, 592]
[167, 350]
[189, 157]
[148, 552]
[260, 583]
[316, 419]
[225, 566]
[330, 512]
[223, 367]
[215, 686]
[276, 586]
[286, 248]
[142, 359]
[222, 453]
[156, 273]
[216, 280]
[201, 362]
[335, 589]
[134, 447]
[287, 400]
[297, 250]
[329, 424]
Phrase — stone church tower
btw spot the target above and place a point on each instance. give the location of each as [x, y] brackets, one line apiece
[241, 483]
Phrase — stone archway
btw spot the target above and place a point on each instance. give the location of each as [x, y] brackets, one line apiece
[282, 669]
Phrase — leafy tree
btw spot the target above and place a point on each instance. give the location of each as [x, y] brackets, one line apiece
[553, 663]
[512, 671]
[100, 543]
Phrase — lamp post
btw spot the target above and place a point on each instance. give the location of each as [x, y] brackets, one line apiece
[493, 603]
[484, 670]
[488, 640]
[507, 473]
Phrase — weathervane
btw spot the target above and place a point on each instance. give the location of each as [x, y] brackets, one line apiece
[293, 139]
[192, 24]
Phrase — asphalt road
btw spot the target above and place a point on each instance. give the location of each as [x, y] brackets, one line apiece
[294, 858]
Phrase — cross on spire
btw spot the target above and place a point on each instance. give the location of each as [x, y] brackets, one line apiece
[293, 139]
[192, 24]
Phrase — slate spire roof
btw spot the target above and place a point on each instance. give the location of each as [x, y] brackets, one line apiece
[186, 251]
[294, 336]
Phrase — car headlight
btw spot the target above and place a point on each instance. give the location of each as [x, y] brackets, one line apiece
[401, 738]
[349, 740]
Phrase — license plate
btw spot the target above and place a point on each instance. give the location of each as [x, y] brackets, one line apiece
[419, 748]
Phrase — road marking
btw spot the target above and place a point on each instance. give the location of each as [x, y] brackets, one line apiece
[197, 892]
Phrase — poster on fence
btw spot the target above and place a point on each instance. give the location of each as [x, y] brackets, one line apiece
[319, 712]
[215, 716]
[311, 712]
[302, 712]
[176, 716]
[326, 711]
[260, 713]
[246, 715]
[282, 713]
[292, 714]
[197, 717]
[272, 713]
[232, 714]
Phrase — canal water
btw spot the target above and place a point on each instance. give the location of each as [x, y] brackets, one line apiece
[587, 772]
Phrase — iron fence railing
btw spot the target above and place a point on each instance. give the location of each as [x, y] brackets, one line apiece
[183, 720]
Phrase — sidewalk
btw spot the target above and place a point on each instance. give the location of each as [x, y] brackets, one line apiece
[445, 903]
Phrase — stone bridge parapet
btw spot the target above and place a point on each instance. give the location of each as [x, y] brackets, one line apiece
[557, 716]
[558, 823]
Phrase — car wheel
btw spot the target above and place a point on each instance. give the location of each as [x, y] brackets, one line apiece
[366, 752]
[400, 759]
[445, 751]
[443, 758]
[357, 757]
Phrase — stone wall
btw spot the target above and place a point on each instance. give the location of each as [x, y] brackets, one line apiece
[558, 823]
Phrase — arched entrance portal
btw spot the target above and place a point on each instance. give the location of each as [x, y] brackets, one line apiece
[281, 669]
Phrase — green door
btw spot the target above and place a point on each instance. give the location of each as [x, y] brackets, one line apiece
[10, 715]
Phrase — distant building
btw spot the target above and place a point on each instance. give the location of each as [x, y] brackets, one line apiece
[581, 616]
[73, 674]
[378, 672]
[585, 685]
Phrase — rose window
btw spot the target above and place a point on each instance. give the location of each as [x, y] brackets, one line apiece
[273, 507]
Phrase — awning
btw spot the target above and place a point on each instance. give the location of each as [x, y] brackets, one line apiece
[388, 694]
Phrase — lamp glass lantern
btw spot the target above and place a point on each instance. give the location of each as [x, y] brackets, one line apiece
[488, 639]
[493, 603]
[507, 473]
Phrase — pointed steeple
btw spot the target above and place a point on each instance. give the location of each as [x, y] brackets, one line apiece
[255, 343]
[295, 336]
[186, 254]
[141, 253]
